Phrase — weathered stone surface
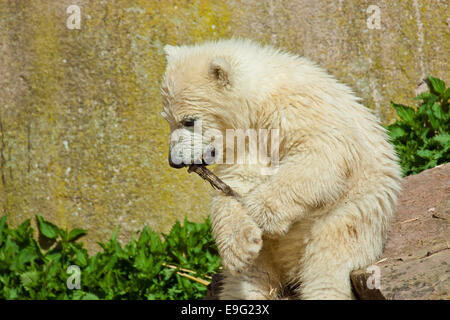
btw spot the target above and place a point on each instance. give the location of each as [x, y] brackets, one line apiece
[416, 260]
[81, 139]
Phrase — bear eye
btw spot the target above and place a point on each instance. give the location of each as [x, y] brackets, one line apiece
[188, 122]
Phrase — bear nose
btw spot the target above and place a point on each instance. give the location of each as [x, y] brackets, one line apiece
[174, 165]
[209, 157]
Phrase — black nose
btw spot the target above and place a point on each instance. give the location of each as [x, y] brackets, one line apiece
[174, 165]
[209, 157]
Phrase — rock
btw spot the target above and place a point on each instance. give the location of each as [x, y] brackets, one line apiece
[416, 260]
[81, 139]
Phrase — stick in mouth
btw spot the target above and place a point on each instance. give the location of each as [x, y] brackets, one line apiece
[215, 181]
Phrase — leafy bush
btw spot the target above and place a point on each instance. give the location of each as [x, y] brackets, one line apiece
[421, 136]
[146, 268]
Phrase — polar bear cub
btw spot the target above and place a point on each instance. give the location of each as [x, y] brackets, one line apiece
[320, 203]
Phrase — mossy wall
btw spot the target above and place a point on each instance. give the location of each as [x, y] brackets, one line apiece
[81, 138]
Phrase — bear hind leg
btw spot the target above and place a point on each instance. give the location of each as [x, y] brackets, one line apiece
[256, 283]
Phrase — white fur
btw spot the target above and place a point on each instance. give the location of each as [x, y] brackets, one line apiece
[326, 210]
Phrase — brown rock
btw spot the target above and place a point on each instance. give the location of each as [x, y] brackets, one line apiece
[416, 260]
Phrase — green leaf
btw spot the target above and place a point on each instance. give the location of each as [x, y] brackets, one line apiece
[90, 296]
[26, 255]
[437, 84]
[443, 139]
[156, 245]
[63, 233]
[76, 234]
[425, 96]
[437, 111]
[78, 294]
[29, 278]
[426, 154]
[396, 132]
[143, 238]
[434, 122]
[48, 229]
[447, 94]
[405, 113]
[53, 255]
[424, 133]
[82, 257]
[22, 233]
[11, 293]
[141, 261]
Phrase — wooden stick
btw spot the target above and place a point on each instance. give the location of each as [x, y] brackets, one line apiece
[183, 269]
[215, 182]
[199, 280]
[203, 282]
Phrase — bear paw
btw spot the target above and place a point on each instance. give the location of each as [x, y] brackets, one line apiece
[243, 247]
[273, 221]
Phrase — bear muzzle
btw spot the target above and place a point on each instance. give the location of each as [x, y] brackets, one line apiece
[208, 157]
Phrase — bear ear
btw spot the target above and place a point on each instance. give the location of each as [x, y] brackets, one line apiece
[170, 50]
[220, 70]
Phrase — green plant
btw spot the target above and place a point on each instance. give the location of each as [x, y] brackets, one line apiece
[421, 136]
[147, 267]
